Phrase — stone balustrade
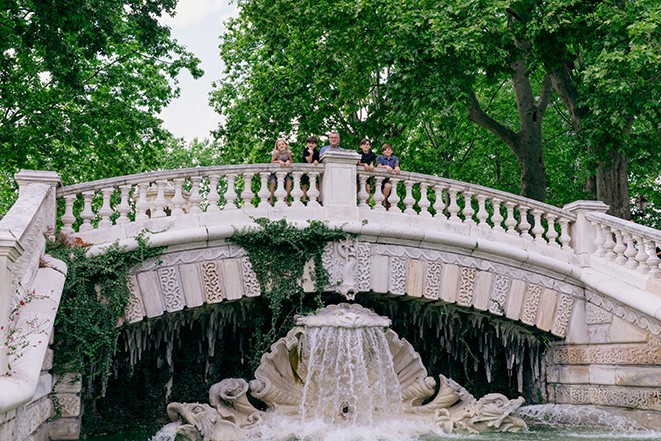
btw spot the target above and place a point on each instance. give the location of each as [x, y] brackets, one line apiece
[102, 204]
[626, 244]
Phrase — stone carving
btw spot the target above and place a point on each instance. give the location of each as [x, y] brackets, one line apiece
[562, 314]
[304, 376]
[624, 312]
[499, 296]
[630, 397]
[398, 275]
[250, 283]
[194, 256]
[171, 287]
[212, 286]
[134, 310]
[466, 286]
[433, 280]
[613, 354]
[364, 268]
[531, 304]
[477, 263]
[594, 315]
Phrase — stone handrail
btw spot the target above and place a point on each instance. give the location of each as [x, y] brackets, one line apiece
[101, 204]
[183, 191]
[455, 201]
[626, 244]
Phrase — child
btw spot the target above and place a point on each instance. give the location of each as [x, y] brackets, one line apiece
[281, 155]
[367, 158]
[390, 163]
[310, 156]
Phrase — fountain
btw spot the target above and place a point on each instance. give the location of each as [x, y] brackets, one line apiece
[340, 367]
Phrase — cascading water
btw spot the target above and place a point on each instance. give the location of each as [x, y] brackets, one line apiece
[350, 376]
[341, 367]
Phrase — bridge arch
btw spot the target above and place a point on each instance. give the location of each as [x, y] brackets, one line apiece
[576, 273]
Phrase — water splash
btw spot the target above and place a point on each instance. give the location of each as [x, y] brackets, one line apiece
[586, 417]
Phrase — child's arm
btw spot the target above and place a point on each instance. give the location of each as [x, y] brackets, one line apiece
[274, 158]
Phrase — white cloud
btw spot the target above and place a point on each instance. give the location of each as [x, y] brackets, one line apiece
[190, 12]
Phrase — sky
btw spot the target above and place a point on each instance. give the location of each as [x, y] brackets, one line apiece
[197, 25]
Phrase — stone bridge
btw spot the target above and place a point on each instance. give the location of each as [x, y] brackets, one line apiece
[575, 272]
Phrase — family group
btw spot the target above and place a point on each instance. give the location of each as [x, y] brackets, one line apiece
[386, 160]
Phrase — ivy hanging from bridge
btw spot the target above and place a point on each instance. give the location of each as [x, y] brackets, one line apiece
[93, 300]
[278, 252]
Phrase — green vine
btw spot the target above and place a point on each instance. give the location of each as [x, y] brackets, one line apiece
[278, 252]
[93, 301]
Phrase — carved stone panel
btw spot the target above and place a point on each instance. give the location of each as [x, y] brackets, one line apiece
[250, 283]
[171, 288]
[212, 286]
[629, 397]
[134, 310]
[531, 304]
[466, 286]
[609, 354]
[498, 299]
[398, 268]
[433, 280]
[564, 306]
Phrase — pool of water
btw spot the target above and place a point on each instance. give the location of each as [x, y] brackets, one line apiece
[534, 434]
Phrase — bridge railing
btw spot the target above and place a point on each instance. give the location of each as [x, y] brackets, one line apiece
[102, 204]
[626, 244]
[460, 202]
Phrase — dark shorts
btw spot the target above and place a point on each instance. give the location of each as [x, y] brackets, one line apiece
[273, 179]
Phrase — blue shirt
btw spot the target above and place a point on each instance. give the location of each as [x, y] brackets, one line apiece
[326, 147]
[393, 161]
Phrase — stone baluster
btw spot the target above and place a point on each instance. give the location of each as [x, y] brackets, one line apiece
[213, 197]
[178, 200]
[230, 193]
[631, 251]
[453, 208]
[538, 229]
[409, 200]
[424, 203]
[599, 239]
[641, 257]
[378, 194]
[510, 222]
[141, 205]
[195, 199]
[363, 196]
[439, 203]
[124, 208]
[623, 248]
[551, 234]
[247, 193]
[565, 238]
[394, 199]
[106, 211]
[159, 203]
[280, 192]
[296, 192]
[482, 214]
[653, 261]
[609, 243]
[313, 191]
[68, 218]
[497, 217]
[87, 214]
[264, 192]
[524, 225]
[468, 208]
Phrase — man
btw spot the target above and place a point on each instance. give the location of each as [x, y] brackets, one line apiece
[333, 143]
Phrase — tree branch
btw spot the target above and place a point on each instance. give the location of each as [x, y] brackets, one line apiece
[478, 116]
[545, 95]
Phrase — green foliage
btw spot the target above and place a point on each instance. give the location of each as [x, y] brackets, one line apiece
[405, 72]
[81, 86]
[279, 252]
[93, 301]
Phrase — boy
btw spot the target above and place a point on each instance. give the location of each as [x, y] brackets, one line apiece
[390, 163]
[310, 156]
[367, 158]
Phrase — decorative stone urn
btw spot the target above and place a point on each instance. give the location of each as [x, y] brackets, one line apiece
[342, 366]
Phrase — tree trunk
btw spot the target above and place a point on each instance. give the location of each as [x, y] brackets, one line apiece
[612, 181]
[527, 142]
[613, 185]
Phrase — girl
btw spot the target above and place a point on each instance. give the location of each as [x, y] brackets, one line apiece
[281, 155]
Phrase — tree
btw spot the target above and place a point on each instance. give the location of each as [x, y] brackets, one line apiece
[389, 67]
[82, 83]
